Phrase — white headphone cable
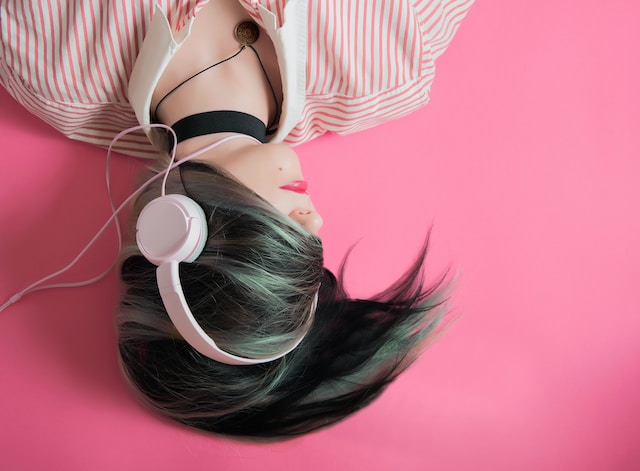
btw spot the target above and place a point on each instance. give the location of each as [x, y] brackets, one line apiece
[37, 285]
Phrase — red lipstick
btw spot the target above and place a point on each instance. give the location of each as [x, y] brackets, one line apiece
[299, 186]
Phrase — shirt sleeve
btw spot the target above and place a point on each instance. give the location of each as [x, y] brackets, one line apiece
[371, 62]
[440, 19]
[69, 62]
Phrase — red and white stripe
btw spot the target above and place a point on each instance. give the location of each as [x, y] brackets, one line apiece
[68, 61]
[372, 61]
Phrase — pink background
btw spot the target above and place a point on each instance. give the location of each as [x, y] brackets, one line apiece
[526, 162]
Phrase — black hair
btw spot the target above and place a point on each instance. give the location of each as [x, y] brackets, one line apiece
[251, 290]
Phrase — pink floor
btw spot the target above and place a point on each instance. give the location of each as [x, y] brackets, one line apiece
[526, 162]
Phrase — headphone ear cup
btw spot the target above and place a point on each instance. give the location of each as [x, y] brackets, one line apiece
[171, 228]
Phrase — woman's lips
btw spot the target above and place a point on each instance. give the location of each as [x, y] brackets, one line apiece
[299, 186]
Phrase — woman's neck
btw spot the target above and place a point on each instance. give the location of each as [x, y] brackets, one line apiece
[238, 84]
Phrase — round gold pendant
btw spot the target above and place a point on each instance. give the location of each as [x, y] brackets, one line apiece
[247, 33]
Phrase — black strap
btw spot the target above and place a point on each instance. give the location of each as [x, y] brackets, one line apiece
[211, 122]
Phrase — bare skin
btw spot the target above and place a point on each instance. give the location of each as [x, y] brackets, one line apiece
[238, 84]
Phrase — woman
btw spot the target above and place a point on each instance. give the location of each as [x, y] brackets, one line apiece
[281, 73]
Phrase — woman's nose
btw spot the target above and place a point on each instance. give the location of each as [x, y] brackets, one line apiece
[307, 218]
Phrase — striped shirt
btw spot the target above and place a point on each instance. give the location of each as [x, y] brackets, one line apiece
[366, 61]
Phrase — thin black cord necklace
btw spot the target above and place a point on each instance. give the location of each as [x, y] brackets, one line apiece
[246, 33]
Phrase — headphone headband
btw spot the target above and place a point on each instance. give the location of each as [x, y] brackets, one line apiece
[172, 229]
[176, 305]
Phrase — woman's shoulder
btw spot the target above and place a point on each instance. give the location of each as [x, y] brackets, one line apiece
[80, 51]
[69, 62]
[369, 62]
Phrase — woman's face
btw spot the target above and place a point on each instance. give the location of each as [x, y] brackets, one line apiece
[273, 172]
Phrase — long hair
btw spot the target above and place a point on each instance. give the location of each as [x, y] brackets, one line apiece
[252, 290]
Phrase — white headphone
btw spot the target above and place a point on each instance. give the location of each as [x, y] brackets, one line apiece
[170, 229]
[173, 229]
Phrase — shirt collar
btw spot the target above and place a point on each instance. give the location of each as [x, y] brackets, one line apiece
[290, 41]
